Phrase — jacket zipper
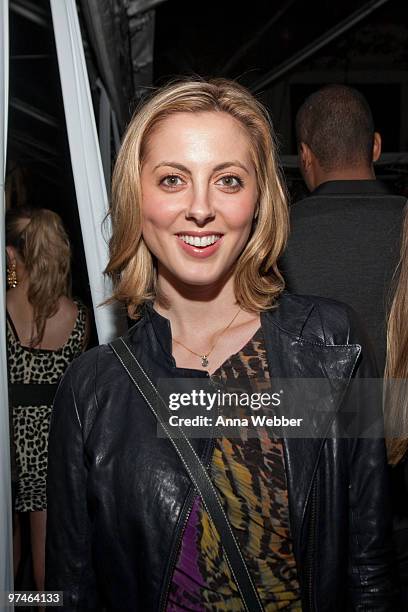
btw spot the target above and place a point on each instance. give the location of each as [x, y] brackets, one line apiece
[311, 543]
[183, 520]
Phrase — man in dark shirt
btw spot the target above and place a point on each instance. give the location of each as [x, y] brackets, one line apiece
[345, 235]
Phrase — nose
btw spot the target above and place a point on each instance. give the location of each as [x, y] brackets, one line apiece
[200, 208]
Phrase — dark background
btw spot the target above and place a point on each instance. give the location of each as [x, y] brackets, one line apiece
[208, 39]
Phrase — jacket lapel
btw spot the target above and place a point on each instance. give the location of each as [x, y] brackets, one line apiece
[292, 358]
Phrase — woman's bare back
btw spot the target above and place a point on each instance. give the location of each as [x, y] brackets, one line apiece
[58, 328]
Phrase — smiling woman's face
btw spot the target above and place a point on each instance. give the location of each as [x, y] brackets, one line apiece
[199, 196]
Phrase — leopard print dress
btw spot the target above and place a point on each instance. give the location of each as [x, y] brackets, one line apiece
[33, 377]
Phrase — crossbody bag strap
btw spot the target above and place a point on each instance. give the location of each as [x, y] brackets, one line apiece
[197, 473]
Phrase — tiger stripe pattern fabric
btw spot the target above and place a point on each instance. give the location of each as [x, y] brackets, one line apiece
[249, 474]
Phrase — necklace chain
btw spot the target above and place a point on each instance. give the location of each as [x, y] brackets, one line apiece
[204, 356]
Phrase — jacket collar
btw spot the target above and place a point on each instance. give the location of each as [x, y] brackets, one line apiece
[289, 319]
[290, 315]
[363, 187]
[161, 328]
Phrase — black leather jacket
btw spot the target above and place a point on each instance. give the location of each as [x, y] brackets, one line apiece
[118, 494]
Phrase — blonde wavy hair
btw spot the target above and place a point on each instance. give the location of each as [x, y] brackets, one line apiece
[396, 366]
[131, 266]
[39, 237]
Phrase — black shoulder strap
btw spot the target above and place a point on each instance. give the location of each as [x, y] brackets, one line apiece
[197, 474]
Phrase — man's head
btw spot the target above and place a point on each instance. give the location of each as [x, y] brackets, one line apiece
[335, 136]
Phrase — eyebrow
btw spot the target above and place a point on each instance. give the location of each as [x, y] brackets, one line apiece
[183, 168]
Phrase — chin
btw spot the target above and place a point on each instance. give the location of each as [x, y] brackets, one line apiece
[196, 278]
[200, 281]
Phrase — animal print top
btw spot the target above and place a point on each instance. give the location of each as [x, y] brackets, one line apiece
[249, 474]
[27, 368]
[32, 365]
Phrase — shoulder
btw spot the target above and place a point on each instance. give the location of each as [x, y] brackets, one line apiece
[80, 309]
[73, 307]
[325, 323]
[88, 377]
[96, 367]
[398, 201]
[391, 203]
[84, 370]
[68, 307]
[303, 202]
[95, 379]
[301, 205]
[307, 210]
[317, 319]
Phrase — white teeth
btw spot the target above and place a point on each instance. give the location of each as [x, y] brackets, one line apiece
[200, 242]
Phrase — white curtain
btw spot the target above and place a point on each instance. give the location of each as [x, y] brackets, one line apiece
[86, 162]
[107, 129]
[6, 565]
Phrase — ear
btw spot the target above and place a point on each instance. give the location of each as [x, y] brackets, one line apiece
[376, 146]
[11, 255]
[305, 156]
[256, 213]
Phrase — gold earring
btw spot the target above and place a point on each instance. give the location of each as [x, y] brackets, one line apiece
[12, 281]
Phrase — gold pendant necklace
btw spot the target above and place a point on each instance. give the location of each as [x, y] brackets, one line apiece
[204, 357]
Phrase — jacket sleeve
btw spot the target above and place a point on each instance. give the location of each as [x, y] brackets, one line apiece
[370, 580]
[68, 543]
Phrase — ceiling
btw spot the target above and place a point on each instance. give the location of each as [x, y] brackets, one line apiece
[131, 43]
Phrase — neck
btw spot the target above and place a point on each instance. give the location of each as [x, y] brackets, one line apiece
[354, 173]
[184, 306]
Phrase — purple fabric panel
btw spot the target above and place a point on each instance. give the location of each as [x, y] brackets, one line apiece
[187, 576]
